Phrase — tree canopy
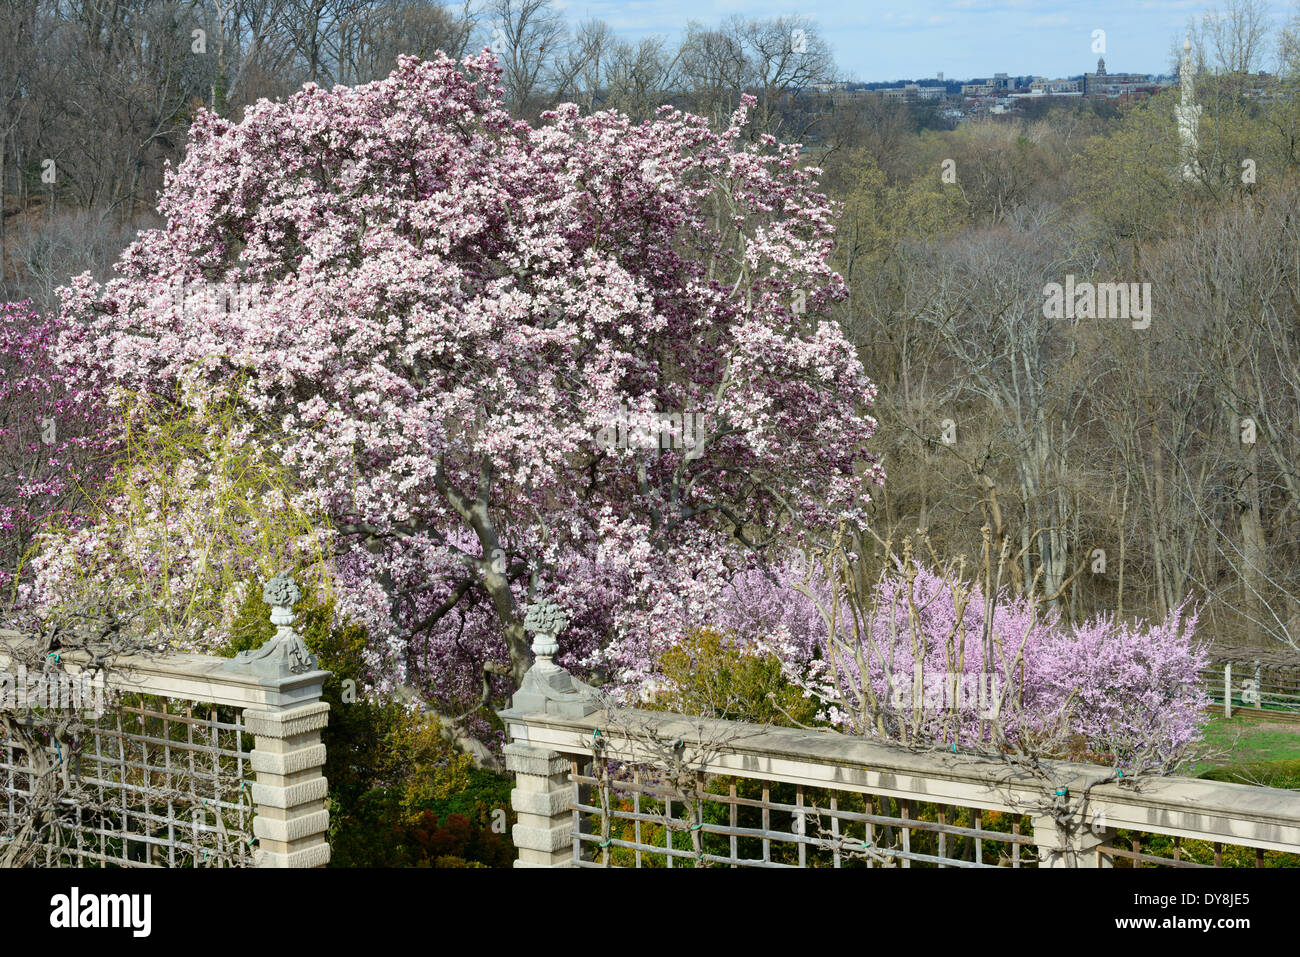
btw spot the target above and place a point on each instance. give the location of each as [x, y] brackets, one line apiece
[441, 308]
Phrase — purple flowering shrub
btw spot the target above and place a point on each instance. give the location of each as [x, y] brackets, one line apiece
[1133, 691]
[945, 665]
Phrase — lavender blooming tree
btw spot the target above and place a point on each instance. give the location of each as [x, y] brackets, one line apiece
[450, 305]
[925, 657]
[53, 449]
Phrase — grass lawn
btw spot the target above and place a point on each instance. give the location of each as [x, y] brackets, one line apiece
[1245, 742]
[1268, 774]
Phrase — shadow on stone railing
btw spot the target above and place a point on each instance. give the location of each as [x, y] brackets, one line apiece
[277, 689]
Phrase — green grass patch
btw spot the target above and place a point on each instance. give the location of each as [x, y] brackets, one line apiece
[1238, 741]
[1272, 774]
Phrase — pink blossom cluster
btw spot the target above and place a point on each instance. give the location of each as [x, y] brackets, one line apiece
[54, 448]
[1133, 691]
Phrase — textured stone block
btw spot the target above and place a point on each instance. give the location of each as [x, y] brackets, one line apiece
[317, 855]
[293, 829]
[542, 803]
[290, 721]
[290, 763]
[294, 742]
[543, 838]
[266, 795]
[560, 858]
[526, 759]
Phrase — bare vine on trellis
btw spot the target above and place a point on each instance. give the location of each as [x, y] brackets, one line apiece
[52, 803]
[675, 760]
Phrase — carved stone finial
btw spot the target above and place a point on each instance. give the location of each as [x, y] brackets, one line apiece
[286, 653]
[545, 620]
[281, 592]
[546, 686]
[545, 617]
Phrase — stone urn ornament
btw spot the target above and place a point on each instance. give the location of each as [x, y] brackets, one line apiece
[545, 620]
[546, 686]
[286, 653]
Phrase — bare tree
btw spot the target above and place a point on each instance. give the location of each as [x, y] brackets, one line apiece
[787, 57]
[25, 27]
[715, 70]
[247, 44]
[775, 59]
[639, 78]
[582, 72]
[527, 36]
[1237, 35]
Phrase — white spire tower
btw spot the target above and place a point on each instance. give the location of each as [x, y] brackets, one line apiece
[1188, 115]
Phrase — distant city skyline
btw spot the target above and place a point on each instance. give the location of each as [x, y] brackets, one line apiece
[876, 41]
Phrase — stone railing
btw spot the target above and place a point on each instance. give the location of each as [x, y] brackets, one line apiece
[1077, 815]
[274, 694]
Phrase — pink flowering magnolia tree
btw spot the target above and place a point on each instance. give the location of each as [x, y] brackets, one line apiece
[443, 308]
[53, 446]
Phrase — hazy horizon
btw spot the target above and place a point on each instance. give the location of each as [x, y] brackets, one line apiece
[877, 42]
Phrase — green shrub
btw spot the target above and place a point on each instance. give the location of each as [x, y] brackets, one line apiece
[713, 675]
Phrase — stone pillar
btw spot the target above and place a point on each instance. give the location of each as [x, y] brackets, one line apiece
[290, 793]
[541, 797]
[1071, 845]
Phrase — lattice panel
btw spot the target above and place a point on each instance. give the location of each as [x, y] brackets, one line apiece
[626, 820]
[1140, 849]
[154, 782]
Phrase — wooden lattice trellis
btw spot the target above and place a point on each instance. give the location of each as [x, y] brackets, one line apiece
[153, 782]
[627, 819]
[623, 820]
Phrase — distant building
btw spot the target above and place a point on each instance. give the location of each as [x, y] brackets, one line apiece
[904, 94]
[1044, 87]
[911, 92]
[849, 97]
[1102, 83]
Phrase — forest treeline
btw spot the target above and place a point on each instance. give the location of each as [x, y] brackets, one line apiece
[1124, 467]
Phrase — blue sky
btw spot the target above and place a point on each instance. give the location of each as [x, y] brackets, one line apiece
[876, 40]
